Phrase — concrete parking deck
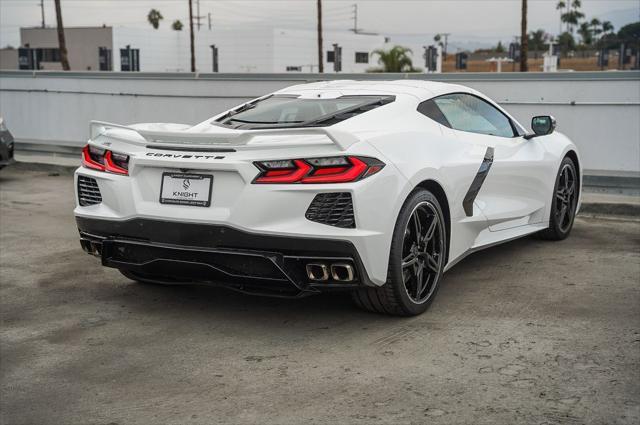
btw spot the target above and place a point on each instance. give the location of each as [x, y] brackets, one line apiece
[528, 332]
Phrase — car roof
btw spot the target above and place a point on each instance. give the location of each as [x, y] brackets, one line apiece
[419, 88]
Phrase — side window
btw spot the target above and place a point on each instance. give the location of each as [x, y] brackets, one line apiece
[431, 110]
[466, 112]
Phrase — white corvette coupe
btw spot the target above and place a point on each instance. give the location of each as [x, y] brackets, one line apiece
[373, 187]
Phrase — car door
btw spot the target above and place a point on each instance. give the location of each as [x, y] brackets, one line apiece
[508, 187]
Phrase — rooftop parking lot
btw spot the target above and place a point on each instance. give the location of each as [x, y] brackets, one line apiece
[527, 332]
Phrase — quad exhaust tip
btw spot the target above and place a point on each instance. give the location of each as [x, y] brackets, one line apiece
[339, 272]
[342, 272]
[318, 271]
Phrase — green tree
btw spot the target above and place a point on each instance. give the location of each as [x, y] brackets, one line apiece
[630, 32]
[561, 6]
[537, 40]
[566, 42]
[607, 27]
[573, 15]
[586, 33]
[395, 60]
[177, 25]
[154, 17]
[500, 47]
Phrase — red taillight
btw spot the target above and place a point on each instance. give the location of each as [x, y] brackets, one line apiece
[288, 175]
[104, 160]
[89, 159]
[317, 170]
[117, 165]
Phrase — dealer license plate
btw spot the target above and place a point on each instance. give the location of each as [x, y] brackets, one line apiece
[186, 189]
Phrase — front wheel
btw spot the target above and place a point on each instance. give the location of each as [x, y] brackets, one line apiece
[416, 260]
[563, 204]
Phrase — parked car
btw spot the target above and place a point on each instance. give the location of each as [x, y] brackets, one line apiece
[373, 187]
[6, 145]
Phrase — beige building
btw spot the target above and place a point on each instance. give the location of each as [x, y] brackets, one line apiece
[8, 58]
[83, 46]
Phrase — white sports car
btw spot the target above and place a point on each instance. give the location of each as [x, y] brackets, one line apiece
[373, 187]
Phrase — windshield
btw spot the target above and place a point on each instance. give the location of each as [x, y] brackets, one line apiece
[281, 111]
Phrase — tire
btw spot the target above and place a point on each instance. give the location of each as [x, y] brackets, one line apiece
[563, 203]
[395, 297]
[148, 279]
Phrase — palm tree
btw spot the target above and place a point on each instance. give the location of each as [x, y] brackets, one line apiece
[177, 25]
[586, 33]
[607, 27]
[560, 6]
[537, 40]
[191, 40]
[154, 17]
[395, 60]
[595, 27]
[573, 15]
[62, 44]
[524, 40]
[319, 15]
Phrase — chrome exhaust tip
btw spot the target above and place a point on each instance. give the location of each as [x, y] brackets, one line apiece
[342, 272]
[317, 271]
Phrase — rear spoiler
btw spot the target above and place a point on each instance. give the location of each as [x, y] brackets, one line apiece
[234, 138]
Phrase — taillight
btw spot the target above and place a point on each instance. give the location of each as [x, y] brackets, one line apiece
[104, 160]
[341, 169]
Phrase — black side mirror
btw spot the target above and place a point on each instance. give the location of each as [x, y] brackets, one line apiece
[541, 126]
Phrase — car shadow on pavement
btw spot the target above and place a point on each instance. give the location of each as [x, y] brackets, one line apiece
[191, 300]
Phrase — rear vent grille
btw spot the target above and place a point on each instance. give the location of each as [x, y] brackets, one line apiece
[88, 191]
[334, 209]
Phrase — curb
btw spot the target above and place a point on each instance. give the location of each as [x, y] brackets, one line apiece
[609, 208]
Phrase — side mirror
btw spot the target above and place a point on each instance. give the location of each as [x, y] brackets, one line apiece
[541, 126]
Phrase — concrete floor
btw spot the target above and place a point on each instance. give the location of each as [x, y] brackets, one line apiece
[528, 332]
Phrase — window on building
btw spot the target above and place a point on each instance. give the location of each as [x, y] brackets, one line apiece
[294, 69]
[331, 56]
[49, 55]
[362, 57]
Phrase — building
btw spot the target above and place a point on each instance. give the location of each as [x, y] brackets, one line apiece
[263, 49]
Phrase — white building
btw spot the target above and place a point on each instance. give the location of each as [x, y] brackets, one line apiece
[262, 49]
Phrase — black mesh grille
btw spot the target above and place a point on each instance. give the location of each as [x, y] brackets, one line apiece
[334, 209]
[88, 191]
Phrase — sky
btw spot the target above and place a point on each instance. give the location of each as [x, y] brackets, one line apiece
[472, 23]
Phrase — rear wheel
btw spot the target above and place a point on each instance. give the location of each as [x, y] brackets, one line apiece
[564, 203]
[416, 260]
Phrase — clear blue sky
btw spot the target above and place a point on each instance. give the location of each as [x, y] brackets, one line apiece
[476, 21]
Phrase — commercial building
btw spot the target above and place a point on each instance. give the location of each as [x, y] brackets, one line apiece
[263, 49]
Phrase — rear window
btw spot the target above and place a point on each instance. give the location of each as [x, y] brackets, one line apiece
[287, 111]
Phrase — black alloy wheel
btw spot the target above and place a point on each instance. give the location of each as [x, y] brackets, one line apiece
[416, 260]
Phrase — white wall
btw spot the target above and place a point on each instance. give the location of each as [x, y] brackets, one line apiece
[56, 107]
[263, 49]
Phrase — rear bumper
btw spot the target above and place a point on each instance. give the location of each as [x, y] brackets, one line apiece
[250, 262]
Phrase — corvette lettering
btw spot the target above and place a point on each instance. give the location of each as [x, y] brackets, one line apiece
[180, 156]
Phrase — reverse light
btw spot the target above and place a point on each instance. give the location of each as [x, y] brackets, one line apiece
[104, 160]
[342, 169]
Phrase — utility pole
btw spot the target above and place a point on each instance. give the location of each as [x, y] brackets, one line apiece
[355, 18]
[64, 60]
[320, 64]
[193, 53]
[198, 16]
[446, 37]
[42, 11]
[209, 15]
[524, 39]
